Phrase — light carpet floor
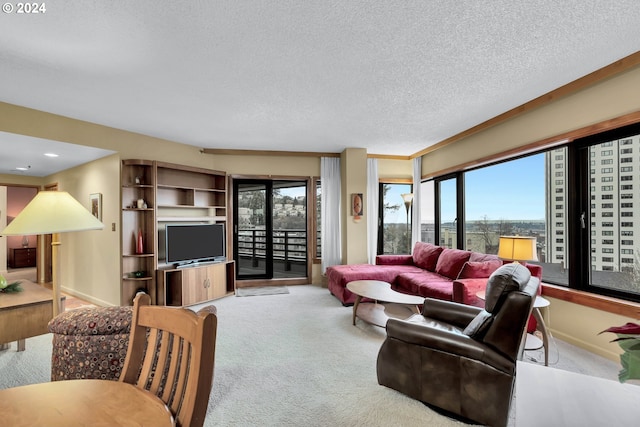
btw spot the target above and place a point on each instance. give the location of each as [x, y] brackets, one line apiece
[284, 360]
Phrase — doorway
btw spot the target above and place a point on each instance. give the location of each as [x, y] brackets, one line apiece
[20, 252]
[270, 229]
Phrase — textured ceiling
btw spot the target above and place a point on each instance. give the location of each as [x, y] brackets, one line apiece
[391, 76]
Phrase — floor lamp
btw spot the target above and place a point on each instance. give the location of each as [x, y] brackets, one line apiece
[408, 200]
[52, 212]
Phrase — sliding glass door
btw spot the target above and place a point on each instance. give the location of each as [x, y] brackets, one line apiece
[270, 234]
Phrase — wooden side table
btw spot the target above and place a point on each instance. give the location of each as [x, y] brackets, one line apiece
[25, 314]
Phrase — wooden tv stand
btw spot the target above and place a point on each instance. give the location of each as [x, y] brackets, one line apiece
[195, 284]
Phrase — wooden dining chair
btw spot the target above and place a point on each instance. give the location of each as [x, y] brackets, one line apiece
[171, 354]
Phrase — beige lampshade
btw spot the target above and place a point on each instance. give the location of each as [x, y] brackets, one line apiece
[518, 248]
[52, 212]
[407, 197]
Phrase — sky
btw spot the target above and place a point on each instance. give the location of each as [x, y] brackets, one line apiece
[513, 190]
[509, 190]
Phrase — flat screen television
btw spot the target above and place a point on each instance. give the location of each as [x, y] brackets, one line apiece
[194, 243]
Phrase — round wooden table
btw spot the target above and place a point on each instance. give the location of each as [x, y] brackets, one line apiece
[82, 403]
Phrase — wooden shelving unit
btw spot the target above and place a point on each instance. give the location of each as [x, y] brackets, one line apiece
[172, 194]
[138, 269]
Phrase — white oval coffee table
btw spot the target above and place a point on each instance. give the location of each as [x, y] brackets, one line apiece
[378, 290]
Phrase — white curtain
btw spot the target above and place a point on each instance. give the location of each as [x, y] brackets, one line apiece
[415, 209]
[331, 232]
[372, 209]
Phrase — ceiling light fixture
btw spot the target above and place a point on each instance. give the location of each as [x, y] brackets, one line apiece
[51, 154]
[23, 168]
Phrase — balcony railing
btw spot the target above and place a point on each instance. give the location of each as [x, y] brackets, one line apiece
[289, 246]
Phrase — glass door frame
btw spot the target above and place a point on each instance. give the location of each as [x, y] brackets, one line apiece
[272, 270]
[268, 207]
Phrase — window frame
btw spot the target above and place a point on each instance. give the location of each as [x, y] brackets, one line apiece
[578, 175]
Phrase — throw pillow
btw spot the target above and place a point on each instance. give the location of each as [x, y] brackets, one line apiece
[425, 255]
[450, 262]
[479, 270]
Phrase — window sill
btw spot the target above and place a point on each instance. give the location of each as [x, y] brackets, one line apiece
[587, 299]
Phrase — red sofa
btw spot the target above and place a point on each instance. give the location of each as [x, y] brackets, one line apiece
[430, 271]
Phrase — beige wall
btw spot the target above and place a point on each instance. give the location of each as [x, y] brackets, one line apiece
[395, 169]
[581, 326]
[606, 100]
[353, 165]
[90, 260]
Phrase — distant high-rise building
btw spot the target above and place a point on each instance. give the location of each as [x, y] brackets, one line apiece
[614, 169]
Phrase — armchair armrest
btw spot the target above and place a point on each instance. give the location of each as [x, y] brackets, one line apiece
[465, 290]
[434, 337]
[454, 313]
[441, 337]
[394, 260]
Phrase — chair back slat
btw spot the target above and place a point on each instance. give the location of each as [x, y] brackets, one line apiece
[158, 350]
[171, 354]
[174, 365]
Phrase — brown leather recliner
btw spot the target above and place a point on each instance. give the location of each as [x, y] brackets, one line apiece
[462, 358]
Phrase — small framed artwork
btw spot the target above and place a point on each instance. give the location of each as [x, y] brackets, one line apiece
[96, 205]
[357, 208]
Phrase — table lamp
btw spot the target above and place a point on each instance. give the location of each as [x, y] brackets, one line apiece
[518, 248]
[52, 212]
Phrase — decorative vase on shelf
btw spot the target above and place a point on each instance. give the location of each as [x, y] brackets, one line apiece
[139, 244]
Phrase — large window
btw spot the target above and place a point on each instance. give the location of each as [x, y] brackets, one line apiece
[505, 199]
[447, 210]
[577, 200]
[394, 233]
[610, 229]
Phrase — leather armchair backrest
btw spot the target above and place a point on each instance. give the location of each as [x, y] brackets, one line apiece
[503, 281]
[509, 297]
[509, 324]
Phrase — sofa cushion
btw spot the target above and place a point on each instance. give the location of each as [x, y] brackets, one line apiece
[425, 284]
[508, 278]
[402, 259]
[480, 257]
[479, 269]
[425, 255]
[450, 262]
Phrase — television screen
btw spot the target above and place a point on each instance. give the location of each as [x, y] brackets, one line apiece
[196, 242]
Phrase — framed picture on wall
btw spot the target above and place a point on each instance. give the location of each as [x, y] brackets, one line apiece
[96, 205]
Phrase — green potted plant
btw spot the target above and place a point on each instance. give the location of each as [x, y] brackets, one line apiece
[629, 340]
[7, 287]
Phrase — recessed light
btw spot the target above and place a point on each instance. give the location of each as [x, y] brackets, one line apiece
[51, 154]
